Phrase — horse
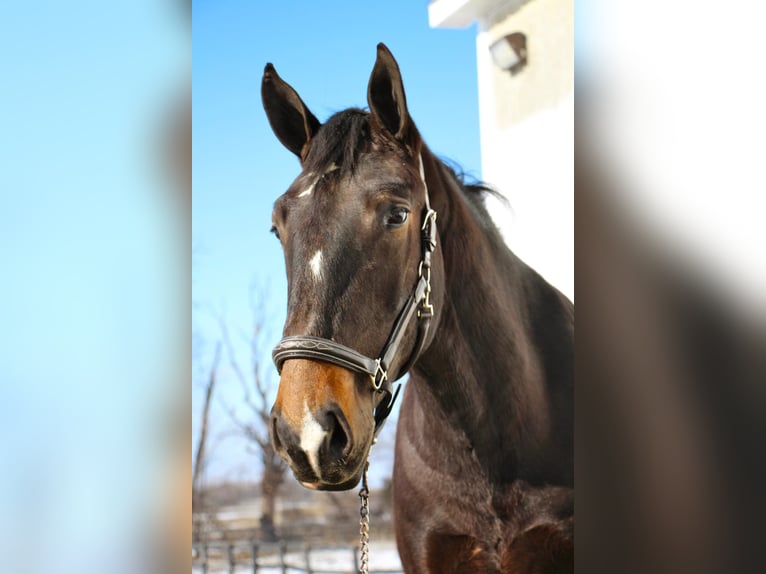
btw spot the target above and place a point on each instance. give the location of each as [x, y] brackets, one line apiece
[393, 267]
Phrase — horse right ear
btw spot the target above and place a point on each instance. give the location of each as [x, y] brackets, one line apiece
[290, 119]
[385, 96]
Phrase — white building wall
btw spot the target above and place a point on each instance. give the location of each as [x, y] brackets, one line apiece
[527, 126]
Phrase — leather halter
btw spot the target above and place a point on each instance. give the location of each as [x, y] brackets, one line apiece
[419, 302]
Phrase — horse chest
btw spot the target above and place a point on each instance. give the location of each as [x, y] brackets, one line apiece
[449, 517]
[442, 520]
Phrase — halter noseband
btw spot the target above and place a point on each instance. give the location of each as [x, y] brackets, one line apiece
[318, 348]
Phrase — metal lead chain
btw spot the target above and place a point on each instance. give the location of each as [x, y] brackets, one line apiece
[364, 524]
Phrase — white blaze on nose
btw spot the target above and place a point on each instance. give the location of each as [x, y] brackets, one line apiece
[316, 264]
[312, 435]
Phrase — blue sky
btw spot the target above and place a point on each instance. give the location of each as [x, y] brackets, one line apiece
[326, 52]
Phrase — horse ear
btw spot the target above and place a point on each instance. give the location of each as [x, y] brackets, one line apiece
[290, 119]
[385, 96]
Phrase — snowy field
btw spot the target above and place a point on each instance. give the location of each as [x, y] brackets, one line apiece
[383, 558]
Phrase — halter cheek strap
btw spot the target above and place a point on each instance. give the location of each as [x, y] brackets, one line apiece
[418, 304]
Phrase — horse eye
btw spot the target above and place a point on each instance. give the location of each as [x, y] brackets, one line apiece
[275, 232]
[396, 217]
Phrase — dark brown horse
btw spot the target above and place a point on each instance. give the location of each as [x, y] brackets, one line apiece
[379, 286]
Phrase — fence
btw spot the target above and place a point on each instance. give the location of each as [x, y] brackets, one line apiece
[285, 557]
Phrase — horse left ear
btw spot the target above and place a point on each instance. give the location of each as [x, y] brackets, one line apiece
[385, 96]
[290, 119]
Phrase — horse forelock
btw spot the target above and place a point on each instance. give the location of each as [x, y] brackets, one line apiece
[339, 142]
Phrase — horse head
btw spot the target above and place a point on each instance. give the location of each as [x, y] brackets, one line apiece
[363, 273]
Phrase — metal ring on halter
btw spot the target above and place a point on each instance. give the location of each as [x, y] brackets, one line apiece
[430, 216]
[377, 383]
[426, 309]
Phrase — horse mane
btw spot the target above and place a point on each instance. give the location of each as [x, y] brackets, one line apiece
[470, 185]
[475, 190]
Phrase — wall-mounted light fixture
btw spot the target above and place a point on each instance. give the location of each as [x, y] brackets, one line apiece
[510, 52]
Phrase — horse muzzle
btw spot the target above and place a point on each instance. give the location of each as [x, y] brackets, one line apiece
[319, 427]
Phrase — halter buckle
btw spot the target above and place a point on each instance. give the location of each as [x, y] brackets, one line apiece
[429, 230]
[426, 309]
[379, 377]
[429, 218]
[423, 266]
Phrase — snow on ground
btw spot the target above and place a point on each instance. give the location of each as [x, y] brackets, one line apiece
[383, 557]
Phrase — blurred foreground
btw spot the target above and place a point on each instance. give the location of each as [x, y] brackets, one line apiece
[670, 184]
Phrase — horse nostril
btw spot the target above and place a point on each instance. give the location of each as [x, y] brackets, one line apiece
[339, 438]
[275, 433]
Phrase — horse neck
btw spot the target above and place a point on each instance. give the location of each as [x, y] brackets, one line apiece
[496, 365]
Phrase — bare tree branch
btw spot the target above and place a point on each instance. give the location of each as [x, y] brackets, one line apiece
[255, 395]
[230, 352]
[199, 462]
[248, 430]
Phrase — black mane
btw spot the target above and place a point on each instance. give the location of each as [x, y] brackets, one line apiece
[340, 140]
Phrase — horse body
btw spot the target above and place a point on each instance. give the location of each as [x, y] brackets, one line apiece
[483, 471]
